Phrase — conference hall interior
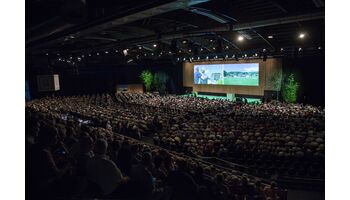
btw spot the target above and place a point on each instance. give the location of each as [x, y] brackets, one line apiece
[175, 99]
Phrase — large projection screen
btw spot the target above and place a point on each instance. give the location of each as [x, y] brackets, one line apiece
[246, 74]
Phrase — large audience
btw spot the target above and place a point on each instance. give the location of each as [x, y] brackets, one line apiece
[90, 146]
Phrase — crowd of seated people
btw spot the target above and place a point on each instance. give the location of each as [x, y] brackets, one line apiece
[269, 139]
[67, 158]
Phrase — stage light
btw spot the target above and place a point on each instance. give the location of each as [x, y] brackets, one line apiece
[184, 41]
[89, 55]
[59, 59]
[240, 38]
[145, 54]
[152, 54]
[106, 52]
[301, 35]
[319, 48]
[270, 36]
[47, 54]
[213, 48]
[198, 58]
[282, 49]
[189, 50]
[211, 40]
[264, 50]
[98, 54]
[207, 57]
[71, 57]
[58, 54]
[177, 59]
[184, 59]
[180, 51]
[154, 45]
[300, 49]
[216, 57]
[140, 47]
[116, 51]
[226, 56]
[201, 49]
[82, 56]
[169, 52]
[245, 55]
[256, 55]
[226, 47]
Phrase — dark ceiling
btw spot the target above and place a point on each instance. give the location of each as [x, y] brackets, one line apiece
[176, 29]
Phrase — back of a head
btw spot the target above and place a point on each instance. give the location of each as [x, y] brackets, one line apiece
[86, 143]
[146, 159]
[47, 135]
[101, 147]
[182, 165]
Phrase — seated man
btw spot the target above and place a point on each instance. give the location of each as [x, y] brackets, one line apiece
[102, 171]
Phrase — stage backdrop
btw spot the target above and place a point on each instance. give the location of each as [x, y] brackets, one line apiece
[266, 69]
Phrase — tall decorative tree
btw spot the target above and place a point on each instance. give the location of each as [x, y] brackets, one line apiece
[275, 82]
[290, 89]
[147, 79]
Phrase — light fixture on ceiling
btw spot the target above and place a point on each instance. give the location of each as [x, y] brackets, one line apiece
[201, 49]
[184, 41]
[189, 50]
[140, 47]
[301, 35]
[240, 38]
[270, 36]
[89, 55]
[154, 45]
[282, 49]
[106, 52]
[207, 57]
[256, 55]
[300, 49]
[98, 54]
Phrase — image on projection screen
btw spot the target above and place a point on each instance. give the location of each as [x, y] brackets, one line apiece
[227, 74]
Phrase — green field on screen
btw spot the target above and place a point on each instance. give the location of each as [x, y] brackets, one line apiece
[241, 81]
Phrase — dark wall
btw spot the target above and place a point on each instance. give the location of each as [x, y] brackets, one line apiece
[310, 73]
[94, 78]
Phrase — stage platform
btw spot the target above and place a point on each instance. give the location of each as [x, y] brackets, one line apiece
[250, 100]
